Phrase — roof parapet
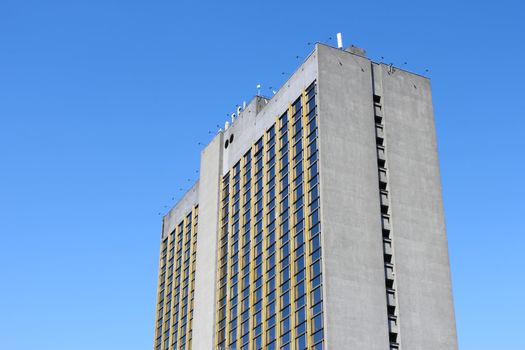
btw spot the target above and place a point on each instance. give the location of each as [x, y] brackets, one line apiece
[356, 50]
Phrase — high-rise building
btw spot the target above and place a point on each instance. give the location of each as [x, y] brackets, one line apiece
[317, 221]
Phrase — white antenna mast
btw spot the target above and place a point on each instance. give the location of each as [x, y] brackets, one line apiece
[339, 41]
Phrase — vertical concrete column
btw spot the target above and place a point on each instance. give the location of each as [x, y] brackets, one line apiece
[426, 311]
[353, 271]
[206, 260]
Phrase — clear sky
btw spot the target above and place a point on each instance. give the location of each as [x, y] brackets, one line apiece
[103, 105]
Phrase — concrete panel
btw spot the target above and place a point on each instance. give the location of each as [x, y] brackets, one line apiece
[206, 260]
[353, 271]
[426, 312]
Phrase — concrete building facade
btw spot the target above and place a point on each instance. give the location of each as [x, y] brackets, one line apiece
[317, 221]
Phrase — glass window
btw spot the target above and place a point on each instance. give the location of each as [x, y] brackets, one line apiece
[285, 325]
[318, 336]
[317, 323]
[300, 315]
[316, 295]
[301, 342]
[316, 268]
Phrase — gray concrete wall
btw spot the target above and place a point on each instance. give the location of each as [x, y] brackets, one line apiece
[426, 311]
[353, 273]
[206, 260]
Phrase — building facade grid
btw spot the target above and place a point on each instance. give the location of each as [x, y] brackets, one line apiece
[269, 293]
[176, 285]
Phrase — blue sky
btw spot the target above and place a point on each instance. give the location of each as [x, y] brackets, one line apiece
[103, 105]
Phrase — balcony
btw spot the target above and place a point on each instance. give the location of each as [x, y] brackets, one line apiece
[383, 180]
[387, 247]
[381, 156]
[380, 134]
[378, 112]
[386, 222]
[392, 324]
[391, 298]
[389, 272]
[384, 201]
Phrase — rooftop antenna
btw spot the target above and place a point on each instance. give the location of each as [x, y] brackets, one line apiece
[258, 89]
[339, 41]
